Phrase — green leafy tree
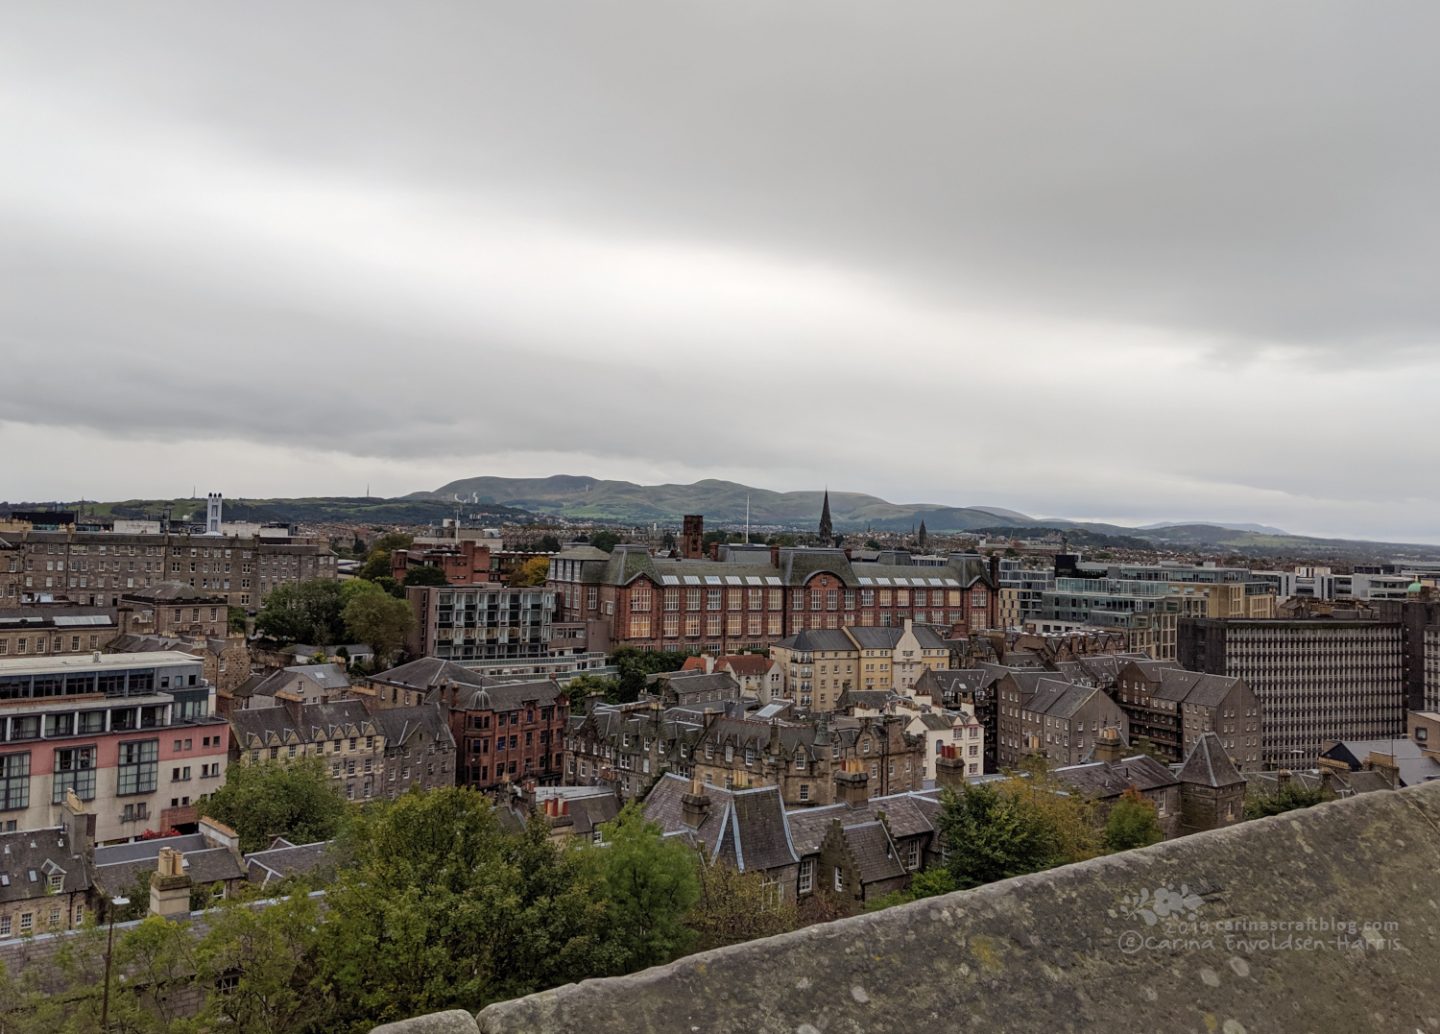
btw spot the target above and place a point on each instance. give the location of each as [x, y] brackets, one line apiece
[650, 884]
[304, 612]
[159, 960]
[1287, 797]
[390, 585]
[992, 836]
[548, 544]
[634, 665]
[426, 574]
[377, 619]
[606, 540]
[377, 561]
[581, 687]
[269, 955]
[1132, 823]
[736, 906]
[1069, 816]
[924, 884]
[293, 799]
[236, 618]
[441, 908]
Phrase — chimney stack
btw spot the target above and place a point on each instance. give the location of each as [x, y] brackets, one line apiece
[1109, 745]
[694, 806]
[170, 886]
[79, 824]
[950, 767]
[852, 787]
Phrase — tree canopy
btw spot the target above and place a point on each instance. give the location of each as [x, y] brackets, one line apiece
[425, 574]
[304, 612]
[532, 572]
[651, 884]
[1132, 822]
[377, 561]
[634, 665]
[294, 799]
[606, 540]
[1286, 797]
[377, 619]
[442, 909]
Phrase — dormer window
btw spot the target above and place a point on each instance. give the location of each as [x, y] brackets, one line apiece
[55, 882]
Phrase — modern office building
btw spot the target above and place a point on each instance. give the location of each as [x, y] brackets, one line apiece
[481, 622]
[134, 735]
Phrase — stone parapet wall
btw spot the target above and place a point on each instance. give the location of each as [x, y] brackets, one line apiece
[1148, 940]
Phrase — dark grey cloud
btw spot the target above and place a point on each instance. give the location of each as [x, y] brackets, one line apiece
[1104, 258]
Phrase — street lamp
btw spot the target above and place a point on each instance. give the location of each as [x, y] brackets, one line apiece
[115, 904]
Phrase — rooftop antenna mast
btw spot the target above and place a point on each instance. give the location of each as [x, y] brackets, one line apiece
[747, 518]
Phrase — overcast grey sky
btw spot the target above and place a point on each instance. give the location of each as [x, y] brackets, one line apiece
[1131, 261]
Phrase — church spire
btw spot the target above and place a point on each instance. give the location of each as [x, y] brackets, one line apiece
[924, 536]
[827, 532]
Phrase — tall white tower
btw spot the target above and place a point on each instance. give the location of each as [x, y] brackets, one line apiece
[212, 513]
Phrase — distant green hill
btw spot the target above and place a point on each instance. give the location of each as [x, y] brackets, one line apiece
[587, 498]
[723, 502]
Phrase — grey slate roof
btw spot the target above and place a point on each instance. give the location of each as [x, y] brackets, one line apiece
[299, 723]
[400, 724]
[1059, 699]
[1209, 765]
[745, 828]
[1112, 778]
[873, 851]
[908, 815]
[282, 860]
[868, 698]
[818, 640]
[873, 637]
[120, 867]
[507, 696]
[955, 682]
[29, 857]
[429, 672]
[1193, 687]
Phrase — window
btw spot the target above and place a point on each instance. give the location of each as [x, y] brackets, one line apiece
[807, 875]
[27, 922]
[14, 781]
[804, 791]
[912, 855]
[74, 770]
[139, 767]
[5, 926]
[839, 880]
[55, 882]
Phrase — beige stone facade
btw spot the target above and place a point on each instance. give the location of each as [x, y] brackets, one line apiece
[97, 568]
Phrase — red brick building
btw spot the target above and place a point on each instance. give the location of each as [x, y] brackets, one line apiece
[508, 732]
[463, 563]
[753, 596]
